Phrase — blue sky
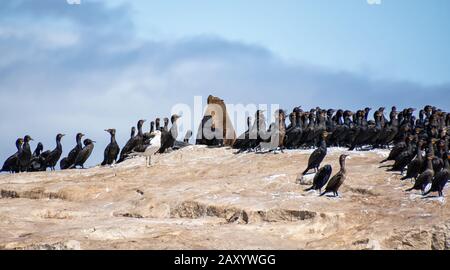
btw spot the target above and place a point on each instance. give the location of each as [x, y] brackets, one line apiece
[106, 64]
[399, 39]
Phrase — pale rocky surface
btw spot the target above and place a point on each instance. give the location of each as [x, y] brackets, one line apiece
[202, 198]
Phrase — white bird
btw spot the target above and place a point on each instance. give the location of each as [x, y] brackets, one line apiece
[151, 149]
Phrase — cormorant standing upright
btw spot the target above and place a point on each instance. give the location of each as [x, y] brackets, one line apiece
[338, 179]
[294, 133]
[405, 157]
[424, 178]
[132, 142]
[26, 155]
[441, 178]
[168, 137]
[318, 155]
[68, 161]
[112, 150]
[51, 158]
[12, 163]
[277, 132]
[84, 154]
[254, 136]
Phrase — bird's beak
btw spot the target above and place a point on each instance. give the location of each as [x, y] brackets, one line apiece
[94, 142]
[62, 135]
[31, 139]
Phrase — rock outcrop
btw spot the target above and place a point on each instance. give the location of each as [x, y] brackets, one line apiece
[202, 198]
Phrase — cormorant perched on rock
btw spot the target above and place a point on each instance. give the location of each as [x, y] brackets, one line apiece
[415, 166]
[36, 160]
[132, 142]
[84, 154]
[276, 134]
[26, 155]
[404, 158]
[424, 178]
[68, 161]
[321, 178]
[112, 150]
[12, 163]
[318, 155]
[254, 136]
[441, 178]
[338, 179]
[438, 162]
[52, 157]
[295, 131]
[168, 137]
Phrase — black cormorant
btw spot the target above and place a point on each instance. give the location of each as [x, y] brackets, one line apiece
[12, 163]
[84, 154]
[68, 161]
[26, 155]
[424, 178]
[318, 155]
[52, 157]
[168, 137]
[112, 150]
[441, 178]
[132, 142]
[321, 178]
[338, 179]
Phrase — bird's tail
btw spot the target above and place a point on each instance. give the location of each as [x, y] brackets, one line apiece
[409, 189]
[428, 192]
[405, 177]
[384, 161]
[323, 193]
[309, 189]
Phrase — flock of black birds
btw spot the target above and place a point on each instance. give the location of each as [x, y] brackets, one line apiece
[26, 161]
[408, 136]
[419, 145]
